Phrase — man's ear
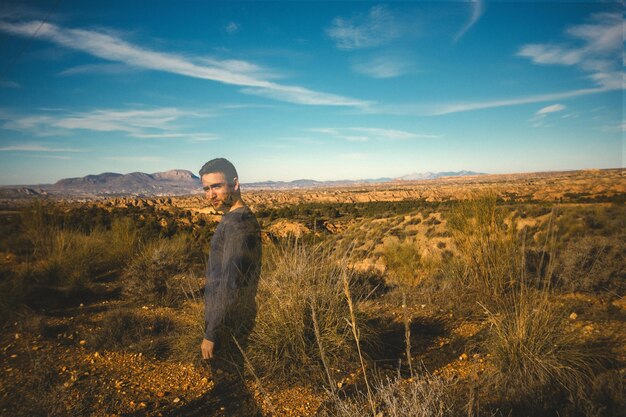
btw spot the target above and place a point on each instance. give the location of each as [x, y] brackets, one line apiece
[236, 184]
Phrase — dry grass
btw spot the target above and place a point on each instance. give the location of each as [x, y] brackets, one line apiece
[535, 354]
[157, 273]
[592, 264]
[487, 260]
[297, 279]
[422, 396]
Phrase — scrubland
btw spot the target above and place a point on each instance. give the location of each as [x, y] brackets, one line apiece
[479, 307]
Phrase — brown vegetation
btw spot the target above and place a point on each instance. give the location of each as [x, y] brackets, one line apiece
[495, 305]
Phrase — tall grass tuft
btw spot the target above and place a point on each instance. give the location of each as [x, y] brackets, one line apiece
[157, 273]
[536, 356]
[423, 396]
[487, 261]
[297, 280]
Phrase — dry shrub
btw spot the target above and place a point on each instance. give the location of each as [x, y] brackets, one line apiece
[592, 263]
[405, 265]
[538, 360]
[298, 279]
[422, 396]
[487, 260]
[154, 274]
[72, 258]
[123, 329]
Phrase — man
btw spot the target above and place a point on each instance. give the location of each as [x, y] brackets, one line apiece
[232, 277]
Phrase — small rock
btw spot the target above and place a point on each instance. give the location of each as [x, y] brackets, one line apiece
[82, 342]
[573, 316]
[463, 357]
[176, 400]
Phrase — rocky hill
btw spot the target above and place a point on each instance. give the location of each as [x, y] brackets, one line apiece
[173, 182]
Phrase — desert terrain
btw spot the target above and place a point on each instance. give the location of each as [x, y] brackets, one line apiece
[490, 295]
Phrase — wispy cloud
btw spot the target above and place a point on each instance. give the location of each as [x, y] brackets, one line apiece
[161, 123]
[51, 157]
[437, 110]
[478, 7]
[232, 28]
[98, 69]
[377, 27]
[35, 147]
[539, 119]
[596, 48]
[113, 48]
[600, 55]
[363, 134]
[383, 66]
[194, 137]
[550, 109]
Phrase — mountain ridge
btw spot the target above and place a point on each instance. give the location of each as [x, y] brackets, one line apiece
[180, 182]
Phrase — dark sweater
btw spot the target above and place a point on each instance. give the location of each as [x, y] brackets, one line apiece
[233, 269]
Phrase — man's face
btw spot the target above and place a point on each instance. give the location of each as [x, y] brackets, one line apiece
[220, 194]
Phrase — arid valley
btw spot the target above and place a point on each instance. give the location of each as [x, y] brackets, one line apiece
[486, 295]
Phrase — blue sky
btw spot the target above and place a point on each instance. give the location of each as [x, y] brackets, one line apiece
[306, 89]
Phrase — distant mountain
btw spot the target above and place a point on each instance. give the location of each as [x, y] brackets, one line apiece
[177, 182]
[434, 175]
[305, 183]
[174, 182]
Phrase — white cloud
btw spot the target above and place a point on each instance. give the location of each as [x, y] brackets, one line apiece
[98, 69]
[478, 8]
[550, 109]
[232, 28]
[300, 95]
[194, 137]
[364, 134]
[539, 119]
[437, 110]
[35, 147]
[595, 47]
[51, 157]
[382, 67]
[600, 55]
[392, 133]
[131, 121]
[112, 48]
[144, 124]
[377, 27]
